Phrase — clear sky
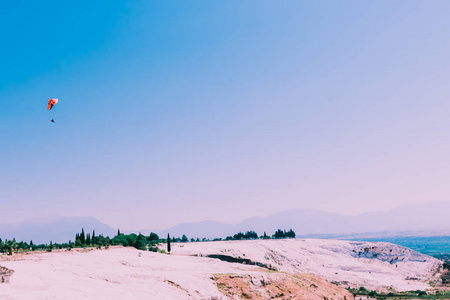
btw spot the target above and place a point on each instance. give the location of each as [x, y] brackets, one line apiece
[183, 111]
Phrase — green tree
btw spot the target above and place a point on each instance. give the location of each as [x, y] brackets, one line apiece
[88, 239]
[239, 236]
[22, 245]
[141, 242]
[82, 237]
[153, 237]
[184, 239]
[290, 234]
[131, 238]
[96, 240]
[93, 238]
[279, 234]
[168, 243]
[250, 235]
[104, 241]
[119, 240]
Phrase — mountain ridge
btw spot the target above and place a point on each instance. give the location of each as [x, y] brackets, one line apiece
[417, 219]
[57, 229]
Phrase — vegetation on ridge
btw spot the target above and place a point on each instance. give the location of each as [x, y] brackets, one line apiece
[417, 294]
[139, 241]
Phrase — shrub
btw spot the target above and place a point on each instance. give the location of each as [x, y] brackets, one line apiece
[421, 293]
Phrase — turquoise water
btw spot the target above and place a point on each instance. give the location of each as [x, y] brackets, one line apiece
[432, 245]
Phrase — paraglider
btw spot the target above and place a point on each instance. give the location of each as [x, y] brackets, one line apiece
[51, 103]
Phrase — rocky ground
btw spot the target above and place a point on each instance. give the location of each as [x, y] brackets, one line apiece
[269, 269]
[127, 273]
[376, 266]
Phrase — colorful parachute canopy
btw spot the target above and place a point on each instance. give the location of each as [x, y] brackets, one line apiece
[51, 102]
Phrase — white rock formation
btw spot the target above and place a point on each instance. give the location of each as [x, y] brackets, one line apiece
[376, 266]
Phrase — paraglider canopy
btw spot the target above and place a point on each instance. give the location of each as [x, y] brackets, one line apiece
[51, 103]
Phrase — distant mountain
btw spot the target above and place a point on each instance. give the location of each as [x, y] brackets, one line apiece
[423, 218]
[209, 229]
[302, 221]
[411, 217]
[54, 228]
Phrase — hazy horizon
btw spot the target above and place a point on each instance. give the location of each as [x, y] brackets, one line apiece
[173, 112]
[48, 218]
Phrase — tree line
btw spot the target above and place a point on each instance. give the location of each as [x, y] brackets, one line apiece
[248, 235]
[252, 235]
[138, 241]
[83, 239]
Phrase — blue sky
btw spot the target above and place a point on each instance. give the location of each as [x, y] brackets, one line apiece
[182, 111]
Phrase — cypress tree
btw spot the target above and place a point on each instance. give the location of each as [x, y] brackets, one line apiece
[93, 237]
[168, 243]
[82, 237]
[118, 231]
